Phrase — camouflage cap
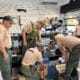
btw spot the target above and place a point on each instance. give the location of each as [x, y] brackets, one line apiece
[8, 18]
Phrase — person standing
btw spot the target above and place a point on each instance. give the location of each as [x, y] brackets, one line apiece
[5, 45]
[31, 35]
[73, 45]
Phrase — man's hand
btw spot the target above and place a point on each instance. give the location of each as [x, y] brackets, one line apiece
[64, 52]
[43, 66]
[5, 56]
[65, 57]
[24, 44]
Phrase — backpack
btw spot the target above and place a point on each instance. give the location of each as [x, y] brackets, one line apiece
[32, 36]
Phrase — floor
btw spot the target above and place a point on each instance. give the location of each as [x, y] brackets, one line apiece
[19, 78]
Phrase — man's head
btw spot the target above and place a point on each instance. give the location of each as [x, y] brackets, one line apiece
[52, 35]
[7, 21]
[39, 24]
[39, 46]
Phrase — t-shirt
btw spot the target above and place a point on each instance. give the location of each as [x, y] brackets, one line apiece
[31, 57]
[5, 36]
[67, 41]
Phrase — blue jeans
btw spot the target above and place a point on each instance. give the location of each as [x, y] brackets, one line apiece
[5, 66]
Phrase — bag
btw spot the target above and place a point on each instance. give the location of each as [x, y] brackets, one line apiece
[61, 68]
[32, 36]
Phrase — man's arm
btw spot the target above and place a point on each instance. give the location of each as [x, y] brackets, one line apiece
[2, 46]
[39, 37]
[63, 50]
[41, 61]
[24, 37]
[3, 50]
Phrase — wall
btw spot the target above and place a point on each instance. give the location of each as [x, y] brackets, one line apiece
[35, 9]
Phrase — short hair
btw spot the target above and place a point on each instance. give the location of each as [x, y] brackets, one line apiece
[40, 22]
[38, 44]
[53, 34]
